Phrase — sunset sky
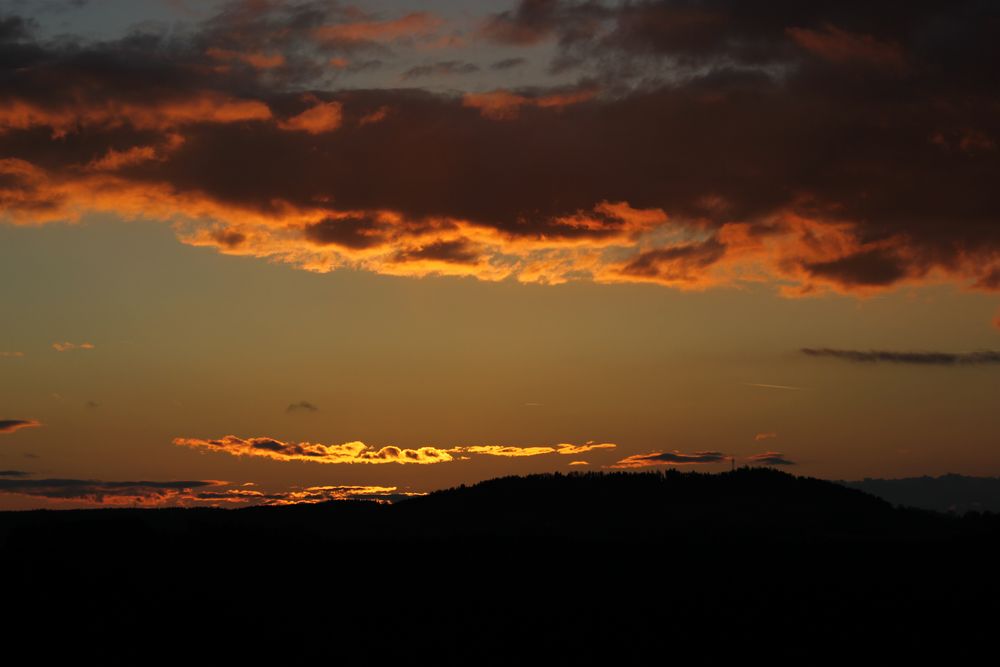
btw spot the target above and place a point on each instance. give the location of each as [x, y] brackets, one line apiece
[260, 251]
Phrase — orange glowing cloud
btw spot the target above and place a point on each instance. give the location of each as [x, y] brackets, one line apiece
[510, 451]
[347, 453]
[263, 61]
[213, 493]
[358, 452]
[839, 46]
[764, 436]
[415, 24]
[613, 242]
[506, 105]
[68, 347]
[207, 107]
[320, 118]
[11, 425]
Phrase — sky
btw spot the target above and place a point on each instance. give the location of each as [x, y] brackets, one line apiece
[262, 252]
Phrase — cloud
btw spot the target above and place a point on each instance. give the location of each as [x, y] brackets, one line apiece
[770, 459]
[68, 347]
[319, 494]
[11, 355]
[705, 146]
[765, 436]
[11, 425]
[579, 463]
[185, 493]
[674, 458]
[102, 493]
[360, 453]
[979, 358]
[508, 63]
[415, 25]
[317, 119]
[443, 68]
[773, 386]
[350, 452]
[14, 473]
[516, 452]
[302, 406]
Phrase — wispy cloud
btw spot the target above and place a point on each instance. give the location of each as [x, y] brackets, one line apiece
[67, 346]
[102, 493]
[773, 386]
[770, 459]
[185, 493]
[302, 406]
[674, 458]
[11, 355]
[765, 436]
[978, 358]
[11, 425]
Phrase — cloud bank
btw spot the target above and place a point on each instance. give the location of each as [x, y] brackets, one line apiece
[817, 146]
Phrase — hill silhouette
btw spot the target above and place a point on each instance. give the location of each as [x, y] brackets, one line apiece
[947, 493]
[749, 503]
[617, 567]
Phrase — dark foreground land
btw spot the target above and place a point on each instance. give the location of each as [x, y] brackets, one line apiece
[613, 568]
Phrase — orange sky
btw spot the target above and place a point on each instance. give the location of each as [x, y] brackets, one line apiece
[488, 239]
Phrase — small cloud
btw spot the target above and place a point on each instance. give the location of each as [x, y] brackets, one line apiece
[11, 355]
[67, 346]
[765, 436]
[508, 63]
[533, 405]
[770, 459]
[445, 68]
[579, 463]
[11, 425]
[14, 473]
[979, 358]
[302, 406]
[674, 458]
[92, 405]
[772, 386]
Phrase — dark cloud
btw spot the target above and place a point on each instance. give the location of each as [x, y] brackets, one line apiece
[534, 20]
[186, 493]
[101, 492]
[508, 63]
[302, 406]
[11, 425]
[673, 458]
[770, 459]
[355, 232]
[979, 358]
[828, 145]
[444, 68]
[459, 251]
